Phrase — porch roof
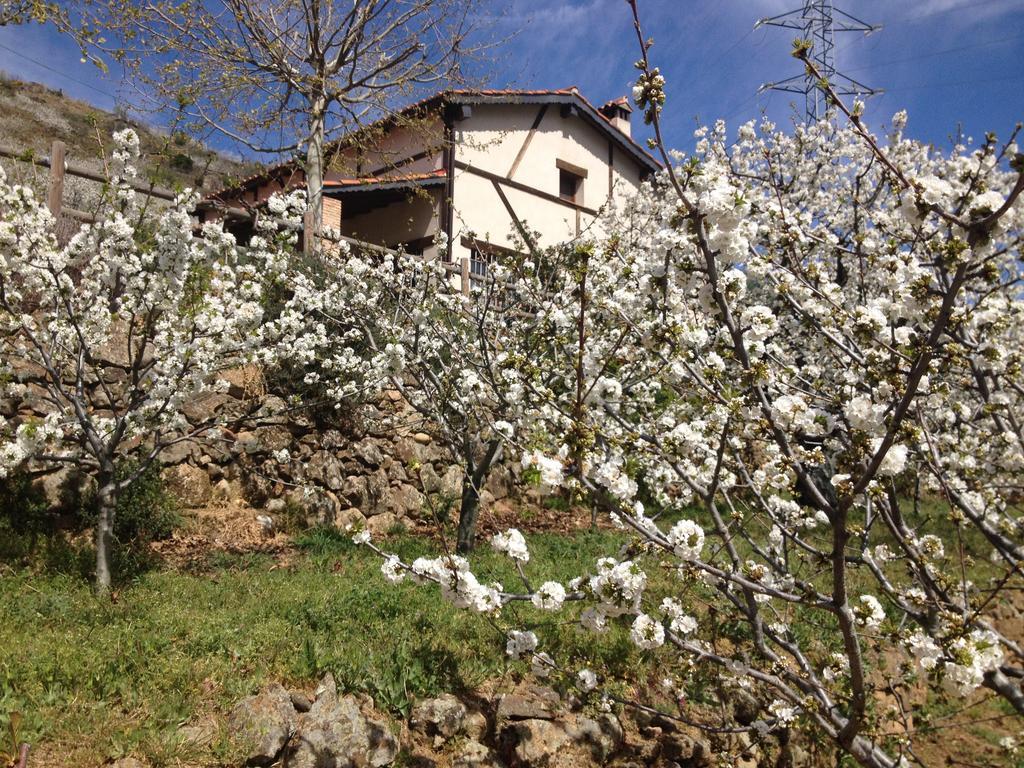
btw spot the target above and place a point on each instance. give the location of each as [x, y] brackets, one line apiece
[334, 187]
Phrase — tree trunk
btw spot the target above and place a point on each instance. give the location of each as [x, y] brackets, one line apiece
[469, 510]
[315, 167]
[107, 499]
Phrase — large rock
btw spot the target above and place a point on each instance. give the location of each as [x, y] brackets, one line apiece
[179, 453]
[535, 743]
[274, 410]
[686, 750]
[499, 482]
[190, 485]
[228, 490]
[404, 501]
[201, 409]
[324, 468]
[533, 702]
[601, 737]
[263, 723]
[368, 452]
[354, 491]
[451, 482]
[319, 507]
[382, 524]
[440, 718]
[475, 755]
[336, 734]
[430, 481]
[475, 726]
[409, 452]
[378, 491]
[63, 489]
[349, 519]
[448, 485]
[247, 442]
[396, 472]
[246, 381]
[272, 438]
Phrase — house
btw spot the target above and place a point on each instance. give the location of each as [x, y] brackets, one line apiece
[483, 167]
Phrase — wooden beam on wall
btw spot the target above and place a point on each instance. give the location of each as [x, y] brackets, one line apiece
[523, 188]
[526, 142]
[515, 219]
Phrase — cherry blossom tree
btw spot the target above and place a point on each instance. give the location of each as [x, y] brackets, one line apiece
[458, 358]
[799, 359]
[116, 331]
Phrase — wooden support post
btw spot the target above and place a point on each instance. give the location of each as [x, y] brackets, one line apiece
[309, 236]
[465, 275]
[55, 193]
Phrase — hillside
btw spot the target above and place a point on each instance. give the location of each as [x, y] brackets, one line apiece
[32, 116]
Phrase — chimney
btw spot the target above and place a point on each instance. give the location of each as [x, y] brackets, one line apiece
[618, 112]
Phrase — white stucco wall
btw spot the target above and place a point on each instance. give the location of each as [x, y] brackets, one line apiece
[490, 140]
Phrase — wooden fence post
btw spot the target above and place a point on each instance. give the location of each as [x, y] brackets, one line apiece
[309, 237]
[55, 193]
[465, 275]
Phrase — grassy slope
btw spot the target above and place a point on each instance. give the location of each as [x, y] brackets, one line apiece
[96, 680]
[32, 116]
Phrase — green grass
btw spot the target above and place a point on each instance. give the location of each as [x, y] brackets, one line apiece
[95, 680]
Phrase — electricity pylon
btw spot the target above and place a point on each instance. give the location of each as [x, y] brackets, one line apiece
[818, 21]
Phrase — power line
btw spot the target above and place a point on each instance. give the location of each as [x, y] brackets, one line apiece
[972, 4]
[57, 71]
[948, 83]
[932, 54]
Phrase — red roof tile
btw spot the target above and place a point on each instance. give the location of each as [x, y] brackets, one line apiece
[390, 179]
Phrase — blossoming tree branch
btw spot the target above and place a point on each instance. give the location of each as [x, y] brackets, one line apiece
[805, 351]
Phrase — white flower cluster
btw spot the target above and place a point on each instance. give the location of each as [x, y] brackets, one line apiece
[513, 544]
[520, 643]
[549, 596]
[687, 539]
[458, 584]
[869, 612]
[617, 587]
[647, 632]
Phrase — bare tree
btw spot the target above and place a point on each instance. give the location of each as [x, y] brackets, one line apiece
[287, 76]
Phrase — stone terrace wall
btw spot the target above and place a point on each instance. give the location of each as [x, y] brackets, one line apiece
[373, 465]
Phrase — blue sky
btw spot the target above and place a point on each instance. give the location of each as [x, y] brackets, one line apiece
[945, 61]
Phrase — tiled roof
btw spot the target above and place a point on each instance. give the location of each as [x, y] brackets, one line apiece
[391, 180]
[457, 95]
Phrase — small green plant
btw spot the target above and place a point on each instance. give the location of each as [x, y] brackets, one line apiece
[14, 721]
[146, 510]
[182, 162]
[24, 512]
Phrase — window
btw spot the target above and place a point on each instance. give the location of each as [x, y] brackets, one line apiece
[570, 181]
[478, 262]
[570, 186]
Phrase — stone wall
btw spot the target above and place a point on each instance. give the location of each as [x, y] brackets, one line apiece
[372, 464]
